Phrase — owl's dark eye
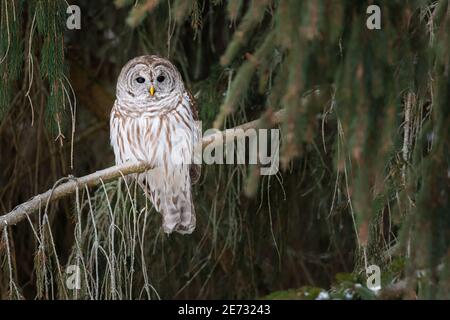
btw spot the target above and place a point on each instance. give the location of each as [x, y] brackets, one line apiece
[140, 80]
[160, 78]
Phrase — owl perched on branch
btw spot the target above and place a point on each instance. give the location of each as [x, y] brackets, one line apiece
[154, 120]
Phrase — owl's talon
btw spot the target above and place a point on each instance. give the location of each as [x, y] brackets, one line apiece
[185, 229]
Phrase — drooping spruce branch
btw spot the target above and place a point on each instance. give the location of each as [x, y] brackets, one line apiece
[72, 184]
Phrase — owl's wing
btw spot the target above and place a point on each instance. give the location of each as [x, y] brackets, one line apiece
[194, 106]
[194, 169]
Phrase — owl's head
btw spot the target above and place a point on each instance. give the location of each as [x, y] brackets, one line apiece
[149, 79]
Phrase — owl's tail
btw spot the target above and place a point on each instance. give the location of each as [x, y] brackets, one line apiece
[186, 211]
[178, 213]
[177, 210]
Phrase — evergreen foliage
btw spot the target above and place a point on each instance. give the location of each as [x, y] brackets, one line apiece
[365, 159]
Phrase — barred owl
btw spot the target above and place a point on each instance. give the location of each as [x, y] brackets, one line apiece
[153, 120]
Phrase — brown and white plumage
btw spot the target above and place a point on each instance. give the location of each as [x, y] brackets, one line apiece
[153, 120]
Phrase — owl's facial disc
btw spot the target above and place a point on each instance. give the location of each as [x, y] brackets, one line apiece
[147, 80]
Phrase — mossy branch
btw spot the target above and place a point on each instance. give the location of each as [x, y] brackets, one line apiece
[72, 184]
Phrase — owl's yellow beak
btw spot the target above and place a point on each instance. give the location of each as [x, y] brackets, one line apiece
[152, 90]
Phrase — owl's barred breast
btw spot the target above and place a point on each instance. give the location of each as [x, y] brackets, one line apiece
[165, 139]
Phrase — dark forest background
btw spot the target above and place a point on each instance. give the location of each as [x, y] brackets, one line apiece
[365, 156]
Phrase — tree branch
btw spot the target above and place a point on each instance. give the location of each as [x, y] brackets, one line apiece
[69, 187]
[72, 184]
